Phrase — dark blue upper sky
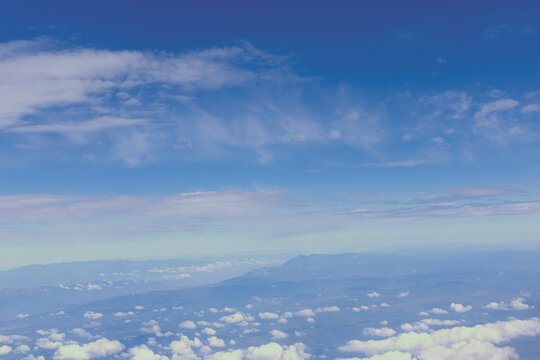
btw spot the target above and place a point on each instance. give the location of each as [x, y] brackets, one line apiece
[377, 44]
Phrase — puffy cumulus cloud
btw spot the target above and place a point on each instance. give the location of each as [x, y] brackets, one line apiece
[123, 314]
[391, 355]
[373, 294]
[97, 349]
[32, 357]
[142, 352]
[53, 341]
[183, 348]
[274, 351]
[305, 312]
[188, 324]
[8, 339]
[268, 316]
[380, 332]
[22, 349]
[438, 311]
[424, 324]
[477, 342]
[227, 355]
[214, 341]
[152, 327]
[473, 349]
[208, 331]
[5, 349]
[92, 315]
[237, 318]
[277, 334]
[81, 333]
[402, 294]
[287, 315]
[515, 304]
[460, 308]
[328, 309]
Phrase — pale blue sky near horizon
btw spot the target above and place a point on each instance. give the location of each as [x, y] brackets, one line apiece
[140, 130]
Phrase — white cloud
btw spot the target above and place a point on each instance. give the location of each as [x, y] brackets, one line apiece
[92, 315]
[97, 349]
[124, 314]
[380, 332]
[183, 348]
[305, 312]
[208, 331]
[477, 342]
[152, 327]
[493, 120]
[268, 316]
[277, 334]
[328, 309]
[515, 304]
[274, 351]
[402, 294]
[144, 353]
[5, 349]
[530, 108]
[38, 76]
[96, 124]
[81, 333]
[373, 294]
[8, 339]
[401, 163]
[391, 355]
[22, 349]
[270, 351]
[215, 342]
[54, 339]
[460, 308]
[235, 318]
[496, 106]
[361, 308]
[334, 134]
[188, 324]
[32, 357]
[424, 324]
[438, 311]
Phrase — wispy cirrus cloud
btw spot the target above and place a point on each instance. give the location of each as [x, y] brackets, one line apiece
[40, 74]
[97, 124]
[401, 163]
[141, 106]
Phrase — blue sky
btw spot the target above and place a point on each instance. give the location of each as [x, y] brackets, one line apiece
[136, 129]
